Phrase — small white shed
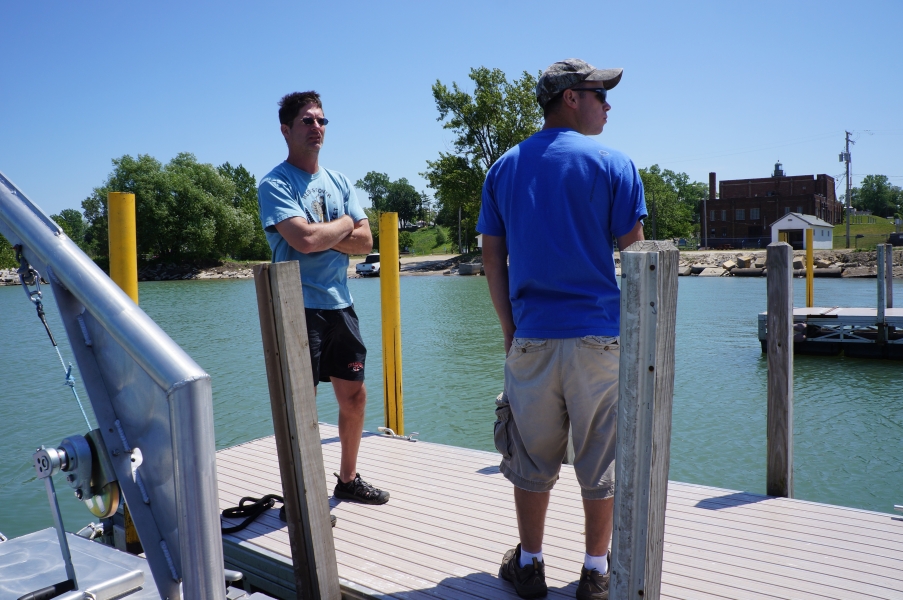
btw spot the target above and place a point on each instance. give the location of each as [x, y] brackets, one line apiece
[791, 228]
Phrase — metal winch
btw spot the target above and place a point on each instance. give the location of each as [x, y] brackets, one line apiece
[89, 471]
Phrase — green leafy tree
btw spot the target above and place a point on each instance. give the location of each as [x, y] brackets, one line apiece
[403, 199]
[7, 255]
[377, 187]
[405, 240]
[245, 199]
[440, 237]
[672, 202]
[497, 116]
[876, 194]
[73, 224]
[185, 210]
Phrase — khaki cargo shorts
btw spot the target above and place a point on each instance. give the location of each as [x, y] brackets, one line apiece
[551, 384]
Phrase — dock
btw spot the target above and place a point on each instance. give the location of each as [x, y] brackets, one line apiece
[828, 331]
[451, 518]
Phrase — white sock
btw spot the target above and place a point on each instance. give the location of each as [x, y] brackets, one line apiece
[599, 563]
[526, 558]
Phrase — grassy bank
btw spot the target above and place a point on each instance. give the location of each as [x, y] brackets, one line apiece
[431, 240]
[871, 234]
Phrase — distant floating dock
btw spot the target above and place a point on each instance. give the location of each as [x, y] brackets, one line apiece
[451, 518]
[857, 332]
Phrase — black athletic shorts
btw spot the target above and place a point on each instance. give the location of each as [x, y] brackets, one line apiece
[336, 347]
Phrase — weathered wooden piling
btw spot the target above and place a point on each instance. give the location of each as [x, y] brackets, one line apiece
[648, 316]
[779, 478]
[889, 275]
[882, 293]
[283, 328]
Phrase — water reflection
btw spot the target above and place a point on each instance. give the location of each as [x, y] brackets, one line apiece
[848, 414]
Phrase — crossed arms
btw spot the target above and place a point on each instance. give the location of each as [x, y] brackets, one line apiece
[342, 234]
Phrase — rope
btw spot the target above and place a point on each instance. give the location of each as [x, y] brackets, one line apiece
[255, 507]
[28, 276]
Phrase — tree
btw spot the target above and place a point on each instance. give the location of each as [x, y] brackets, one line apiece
[377, 187]
[7, 255]
[499, 115]
[73, 224]
[405, 240]
[185, 210]
[876, 194]
[673, 203]
[245, 199]
[403, 199]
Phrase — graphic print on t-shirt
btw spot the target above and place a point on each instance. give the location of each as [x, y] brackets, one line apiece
[317, 199]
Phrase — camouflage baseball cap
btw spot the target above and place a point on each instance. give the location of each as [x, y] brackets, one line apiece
[568, 73]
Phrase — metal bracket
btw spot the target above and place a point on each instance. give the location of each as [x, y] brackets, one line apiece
[47, 461]
[389, 433]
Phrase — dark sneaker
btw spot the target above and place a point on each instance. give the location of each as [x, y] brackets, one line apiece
[528, 581]
[359, 490]
[593, 584]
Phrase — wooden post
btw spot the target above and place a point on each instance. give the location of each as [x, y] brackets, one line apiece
[648, 316]
[882, 294]
[889, 275]
[283, 328]
[779, 262]
[390, 300]
[810, 270]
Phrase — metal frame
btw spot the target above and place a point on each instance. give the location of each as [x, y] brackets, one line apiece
[147, 394]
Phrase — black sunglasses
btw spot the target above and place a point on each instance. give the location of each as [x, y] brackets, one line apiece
[600, 92]
[310, 120]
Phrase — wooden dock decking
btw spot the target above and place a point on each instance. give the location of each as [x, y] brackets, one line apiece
[451, 518]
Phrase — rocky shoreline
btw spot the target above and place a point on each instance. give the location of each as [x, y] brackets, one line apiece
[167, 272]
[828, 263]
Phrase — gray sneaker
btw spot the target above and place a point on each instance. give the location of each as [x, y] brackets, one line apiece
[528, 581]
[593, 584]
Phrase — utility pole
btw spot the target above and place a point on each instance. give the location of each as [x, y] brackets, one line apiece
[845, 158]
[705, 213]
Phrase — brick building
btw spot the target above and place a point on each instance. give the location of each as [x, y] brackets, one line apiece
[745, 209]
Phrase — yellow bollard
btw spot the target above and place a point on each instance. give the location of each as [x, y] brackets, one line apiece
[390, 297]
[123, 242]
[810, 268]
[124, 272]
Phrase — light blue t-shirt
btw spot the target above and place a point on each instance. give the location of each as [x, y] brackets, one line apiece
[287, 192]
[560, 199]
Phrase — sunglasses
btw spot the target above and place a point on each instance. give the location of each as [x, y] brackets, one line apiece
[310, 120]
[600, 92]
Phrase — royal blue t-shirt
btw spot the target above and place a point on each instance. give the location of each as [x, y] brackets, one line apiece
[560, 199]
[324, 196]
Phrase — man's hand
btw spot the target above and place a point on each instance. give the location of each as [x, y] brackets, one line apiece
[359, 241]
[495, 263]
[315, 237]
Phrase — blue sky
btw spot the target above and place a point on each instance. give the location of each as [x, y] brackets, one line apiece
[723, 86]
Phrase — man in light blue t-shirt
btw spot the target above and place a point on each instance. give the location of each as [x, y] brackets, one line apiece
[552, 208]
[311, 214]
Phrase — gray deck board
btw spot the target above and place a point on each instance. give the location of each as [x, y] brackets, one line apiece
[451, 517]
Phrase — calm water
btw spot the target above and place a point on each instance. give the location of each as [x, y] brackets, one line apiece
[848, 413]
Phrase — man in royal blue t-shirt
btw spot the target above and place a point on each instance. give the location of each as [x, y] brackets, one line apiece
[311, 214]
[553, 206]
